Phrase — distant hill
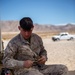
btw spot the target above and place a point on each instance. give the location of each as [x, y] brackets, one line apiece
[12, 26]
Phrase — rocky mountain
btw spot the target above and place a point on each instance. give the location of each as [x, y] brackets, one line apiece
[12, 26]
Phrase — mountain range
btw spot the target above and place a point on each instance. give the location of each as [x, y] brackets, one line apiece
[12, 26]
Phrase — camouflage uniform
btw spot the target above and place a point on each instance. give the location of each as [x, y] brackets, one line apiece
[18, 50]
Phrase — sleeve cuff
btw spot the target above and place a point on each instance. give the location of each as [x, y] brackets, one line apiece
[20, 64]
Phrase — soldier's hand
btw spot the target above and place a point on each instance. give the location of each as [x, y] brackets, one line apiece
[42, 60]
[28, 63]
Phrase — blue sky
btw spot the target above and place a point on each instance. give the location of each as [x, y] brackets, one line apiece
[41, 11]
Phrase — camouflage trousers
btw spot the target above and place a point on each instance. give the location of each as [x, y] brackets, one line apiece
[45, 70]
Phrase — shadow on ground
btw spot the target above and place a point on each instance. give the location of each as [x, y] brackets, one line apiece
[72, 72]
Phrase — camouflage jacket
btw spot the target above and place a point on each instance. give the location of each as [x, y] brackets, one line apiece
[18, 50]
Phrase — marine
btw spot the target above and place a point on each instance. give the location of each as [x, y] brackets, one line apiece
[26, 55]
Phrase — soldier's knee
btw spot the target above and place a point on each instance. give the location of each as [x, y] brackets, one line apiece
[64, 69]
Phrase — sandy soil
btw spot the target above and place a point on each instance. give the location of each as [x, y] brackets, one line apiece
[59, 52]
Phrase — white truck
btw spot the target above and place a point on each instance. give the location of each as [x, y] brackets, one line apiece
[63, 36]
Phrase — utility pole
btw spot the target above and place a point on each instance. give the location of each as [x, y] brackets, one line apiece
[0, 39]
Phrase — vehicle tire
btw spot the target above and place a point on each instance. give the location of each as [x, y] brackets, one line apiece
[71, 38]
[53, 39]
[58, 39]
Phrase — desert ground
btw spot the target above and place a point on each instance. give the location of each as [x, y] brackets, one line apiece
[59, 52]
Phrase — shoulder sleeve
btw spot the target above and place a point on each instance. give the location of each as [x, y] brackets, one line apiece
[8, 59]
